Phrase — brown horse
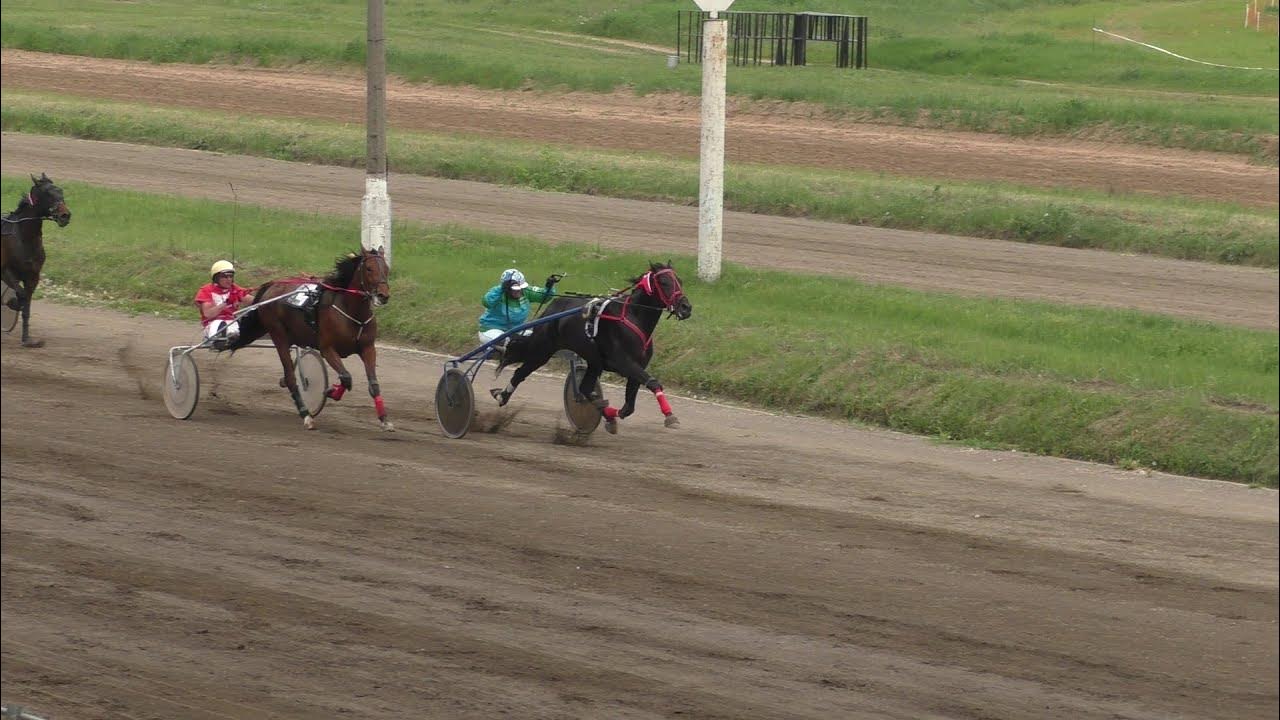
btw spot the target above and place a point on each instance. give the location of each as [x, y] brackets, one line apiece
[22, 245]
[341, 323]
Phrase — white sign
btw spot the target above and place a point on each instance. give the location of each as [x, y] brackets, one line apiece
[713, 6]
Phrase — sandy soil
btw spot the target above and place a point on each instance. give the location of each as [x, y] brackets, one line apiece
[745, 566]
[759, 132]
[1234, 295]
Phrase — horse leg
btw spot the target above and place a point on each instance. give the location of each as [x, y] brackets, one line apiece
[636, 374]
[29, 291]
[502, 395]
[286, 361]
[344, 378]
[610, 413]
[369, 355]
[629, 403]
[10, 278]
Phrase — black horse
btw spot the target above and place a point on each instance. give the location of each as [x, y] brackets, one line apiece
[623, 341]
[344, 324]
[22, 245]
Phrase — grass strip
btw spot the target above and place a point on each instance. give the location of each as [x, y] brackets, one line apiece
[1120, 387]
[1174, 228]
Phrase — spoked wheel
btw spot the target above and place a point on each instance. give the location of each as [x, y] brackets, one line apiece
[313, 380]
[582, 414]
[455, 403]
[8, 316]
[181, 386]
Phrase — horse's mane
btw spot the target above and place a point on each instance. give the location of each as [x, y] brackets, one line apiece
[22, 204]
[344, 269]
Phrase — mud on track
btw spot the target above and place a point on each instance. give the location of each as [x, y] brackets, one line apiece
[969, 266]
[745, 566]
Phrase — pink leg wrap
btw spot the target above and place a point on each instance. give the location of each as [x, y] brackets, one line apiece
[382, 409]
[337, 391]
[610, 412]
[662, 401]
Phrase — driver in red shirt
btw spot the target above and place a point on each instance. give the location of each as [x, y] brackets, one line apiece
[218, 302]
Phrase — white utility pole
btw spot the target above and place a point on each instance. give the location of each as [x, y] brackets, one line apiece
[715, 34]
[375, 207]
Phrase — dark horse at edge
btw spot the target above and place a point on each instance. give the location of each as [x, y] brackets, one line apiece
[343, 325]
[623, 341]
[22, 245]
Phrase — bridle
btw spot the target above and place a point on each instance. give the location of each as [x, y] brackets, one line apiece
[649, 283]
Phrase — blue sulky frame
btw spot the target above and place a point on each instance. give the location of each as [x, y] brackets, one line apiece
[455, 397]
[182, 379]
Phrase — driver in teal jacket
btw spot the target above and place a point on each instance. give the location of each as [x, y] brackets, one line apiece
[507, 304]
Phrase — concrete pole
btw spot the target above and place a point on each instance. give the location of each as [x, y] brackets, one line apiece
[711, 176]
[375, 207]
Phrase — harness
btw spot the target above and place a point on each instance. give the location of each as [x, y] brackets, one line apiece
[597, 310]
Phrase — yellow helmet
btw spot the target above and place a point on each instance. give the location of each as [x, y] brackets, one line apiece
[220, 267]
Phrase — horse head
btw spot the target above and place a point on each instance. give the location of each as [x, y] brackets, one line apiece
[46, 198]
[662, 283]
[372, 276]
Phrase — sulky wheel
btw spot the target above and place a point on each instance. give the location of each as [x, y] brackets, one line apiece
[8, 316]
[583, 415]
[181, 386]
[455, 403]
[313, 379]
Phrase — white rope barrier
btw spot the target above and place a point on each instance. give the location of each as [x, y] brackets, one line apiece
[1180, 57]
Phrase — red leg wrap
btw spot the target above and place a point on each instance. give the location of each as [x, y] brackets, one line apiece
[610, 412]
[662, 401]
[382, 409]
[337, 391]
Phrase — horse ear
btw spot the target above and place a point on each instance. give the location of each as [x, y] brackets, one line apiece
[35, 180]
[45, 177]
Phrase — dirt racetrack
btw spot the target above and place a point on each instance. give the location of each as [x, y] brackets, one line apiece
[757, 132]
[745, 566]
[926, 261]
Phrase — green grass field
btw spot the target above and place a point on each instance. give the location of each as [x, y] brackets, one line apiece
[1004, 66]
[1120, 387]
[1169, 227]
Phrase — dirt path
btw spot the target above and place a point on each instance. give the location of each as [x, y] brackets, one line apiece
[781, 133]
[1234, 295]
[745, 566]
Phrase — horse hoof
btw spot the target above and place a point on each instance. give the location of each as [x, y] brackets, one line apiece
[671, 422]
[32, 343]
[611, 427]
[500, 395]
[387, 426]
[309, 423]
[283, 384]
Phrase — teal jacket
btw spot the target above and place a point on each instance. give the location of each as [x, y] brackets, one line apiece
[505, 313]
